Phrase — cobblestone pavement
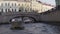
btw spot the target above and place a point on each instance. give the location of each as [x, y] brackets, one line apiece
[35, 28]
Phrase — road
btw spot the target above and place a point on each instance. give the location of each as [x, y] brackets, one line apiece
[33, 28]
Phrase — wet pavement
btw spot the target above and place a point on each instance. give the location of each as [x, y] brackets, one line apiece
[34, 28]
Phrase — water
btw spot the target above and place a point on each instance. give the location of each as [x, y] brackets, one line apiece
[33, 28]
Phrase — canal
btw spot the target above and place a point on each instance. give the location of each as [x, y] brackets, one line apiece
[32, 28]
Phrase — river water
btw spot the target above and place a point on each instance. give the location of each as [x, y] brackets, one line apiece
[33, 28]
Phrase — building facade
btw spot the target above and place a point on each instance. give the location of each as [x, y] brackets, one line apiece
[15, 6]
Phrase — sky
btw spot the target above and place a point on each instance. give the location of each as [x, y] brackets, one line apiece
[52, 2]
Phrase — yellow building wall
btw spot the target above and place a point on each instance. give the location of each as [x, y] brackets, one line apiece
[36, 6]
[30, 5]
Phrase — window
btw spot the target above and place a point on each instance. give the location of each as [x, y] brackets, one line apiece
[12, 4]
[5, 4]
[6, 10]
[15, 4]
[8, 4]
[12, 10]
[18, 4]
[2, 10]
[15, 9]
[1, 4]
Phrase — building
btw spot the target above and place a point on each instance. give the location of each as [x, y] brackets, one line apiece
[27, 5]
